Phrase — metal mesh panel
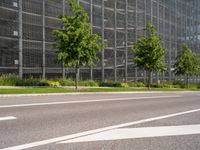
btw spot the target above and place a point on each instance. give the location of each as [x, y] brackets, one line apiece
[8, 37]
[53, 8]
[119, 22]
[32, 6]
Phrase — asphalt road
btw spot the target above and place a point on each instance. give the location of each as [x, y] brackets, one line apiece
[140, 121]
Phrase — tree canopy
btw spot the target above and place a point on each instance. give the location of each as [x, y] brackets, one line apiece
[148, 51]
[187, 62]
[74, 43]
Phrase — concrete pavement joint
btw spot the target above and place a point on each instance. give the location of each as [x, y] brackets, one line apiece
[86, 133]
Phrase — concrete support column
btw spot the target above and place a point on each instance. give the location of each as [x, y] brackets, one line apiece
[91, 20]
[43, 42]
[115, 40]
[176, 26]
[136, 7]
[145, 22]
[158, 31]
[126, 42]
[151, 74]
[170, 49]
[164, 44]
[78, 71]
[63, 13]
[20, 40]
[102, 36]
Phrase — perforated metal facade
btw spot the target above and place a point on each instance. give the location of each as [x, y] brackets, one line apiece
[26, 35]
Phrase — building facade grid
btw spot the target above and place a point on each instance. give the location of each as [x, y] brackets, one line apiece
[26, 35]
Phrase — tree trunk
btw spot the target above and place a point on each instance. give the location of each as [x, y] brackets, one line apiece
[145, 76]
[77, 77]
[150, 79]
[63, 70]
[187, 81]
[158, 78]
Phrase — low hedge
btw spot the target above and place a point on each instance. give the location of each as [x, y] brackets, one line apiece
[13, 80]
[136, 84]
[43, 83]
[113, 84]
[9, 80]
[88, 83]
[70, 82]
[28, 82]
[110, 84]
[66, 82]
[53, 83]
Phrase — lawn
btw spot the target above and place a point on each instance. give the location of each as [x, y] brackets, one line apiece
[63, 90]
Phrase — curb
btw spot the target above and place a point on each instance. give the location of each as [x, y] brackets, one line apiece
[75, 93]
[91, 93]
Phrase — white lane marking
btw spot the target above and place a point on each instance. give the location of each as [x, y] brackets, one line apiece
[91, 93]
[86, 133]
[7, 118]
[86, 101]
[132, 133]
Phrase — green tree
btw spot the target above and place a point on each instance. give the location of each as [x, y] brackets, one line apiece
[187, 63]
[74, 43]
[149, 53]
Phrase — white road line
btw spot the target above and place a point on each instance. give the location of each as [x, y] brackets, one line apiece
[132, 133]
[7, 118]
[91, 93]
[86, 133]
[86, 101]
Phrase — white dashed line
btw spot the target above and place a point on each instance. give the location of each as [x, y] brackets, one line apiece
[7, 118]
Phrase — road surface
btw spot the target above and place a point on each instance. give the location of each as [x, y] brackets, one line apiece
[129, 121]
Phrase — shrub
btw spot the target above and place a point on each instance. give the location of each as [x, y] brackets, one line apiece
[166, 85]
[176, 84]
[113, 84]
[70, 82]
[198, 85]
[28, 82]
[13, 80]
[88, 83]
[193, 86]
[171, 85]
[110, 84]
[53, 83]
[151, 85]
[136, 84]
[163, 85]
[43, 83]
[179, 84]
[32, 82]
[66, 82]
[124, 85]
[9, 80]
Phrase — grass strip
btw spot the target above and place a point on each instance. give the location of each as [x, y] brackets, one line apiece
[64, 90]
